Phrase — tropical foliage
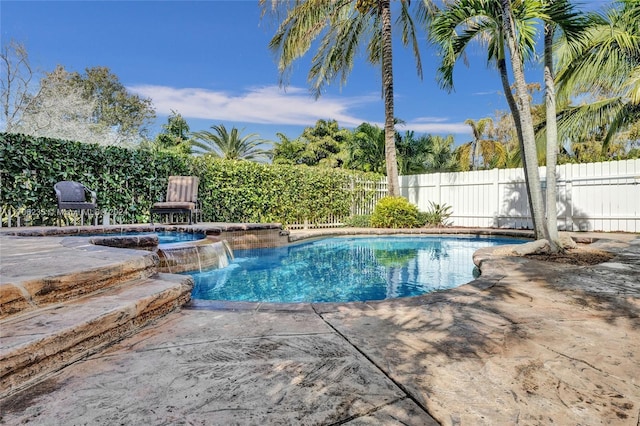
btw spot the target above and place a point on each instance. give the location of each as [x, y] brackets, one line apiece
[503, 28]
[128, 181]
[395, 212]
[343, 28]
[229, 145]
[604, 70]
[175, 135]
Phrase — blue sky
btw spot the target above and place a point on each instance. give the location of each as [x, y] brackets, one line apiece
[209, 61]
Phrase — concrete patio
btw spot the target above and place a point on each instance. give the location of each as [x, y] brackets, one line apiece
[529, 342]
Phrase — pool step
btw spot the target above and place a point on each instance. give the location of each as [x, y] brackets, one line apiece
[37, 272]
[37, 343]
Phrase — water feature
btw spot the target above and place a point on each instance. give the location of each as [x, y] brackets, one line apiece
[344, 269]
[164, 237]
[197, 255]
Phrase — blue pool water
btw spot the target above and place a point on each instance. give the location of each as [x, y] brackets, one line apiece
[345, 269]
[168, 237]
[164, 237]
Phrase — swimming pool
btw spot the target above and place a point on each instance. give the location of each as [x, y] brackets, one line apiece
[164, 237]
[345, 269]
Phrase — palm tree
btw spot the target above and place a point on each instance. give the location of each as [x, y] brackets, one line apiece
[345, 26]
[365, 149]
[607, 68]
[524, 116]
[502, 28]
[561, 15]
[230, 146]
[412, 153]
[493, 152]
[440, 157]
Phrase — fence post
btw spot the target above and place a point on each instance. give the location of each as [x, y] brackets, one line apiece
[568, 188]
[495, 196]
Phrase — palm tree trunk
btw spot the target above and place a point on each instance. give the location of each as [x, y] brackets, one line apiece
[393, 185]
[528, 140]
[552, 136]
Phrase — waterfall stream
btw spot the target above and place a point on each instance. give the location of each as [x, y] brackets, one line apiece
[194, 256]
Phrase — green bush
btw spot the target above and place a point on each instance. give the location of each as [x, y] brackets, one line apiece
[438, 215]
[394, 212]
[129, 181]
[358, 221]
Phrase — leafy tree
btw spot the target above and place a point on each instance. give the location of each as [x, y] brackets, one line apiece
[320, 145]
[288, 151]
[323, 143]
[126, 114]
[60, 110]
[175, 135]
[230, 145]
[15, 83]
[343, 27]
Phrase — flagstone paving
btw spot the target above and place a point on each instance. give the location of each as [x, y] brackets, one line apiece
[529, 342]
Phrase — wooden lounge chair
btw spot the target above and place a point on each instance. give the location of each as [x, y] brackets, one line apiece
[73, 196]
[182, 197]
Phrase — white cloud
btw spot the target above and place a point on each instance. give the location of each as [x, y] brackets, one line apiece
[494, 92]
[418, 127]
[434, 125]
[274, 106]
[261, 105]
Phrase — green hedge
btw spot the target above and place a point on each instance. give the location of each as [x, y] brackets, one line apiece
[128, 181]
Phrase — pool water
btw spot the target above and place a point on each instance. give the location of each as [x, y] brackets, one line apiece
[169, 237]
[164, 237]
[345, 269]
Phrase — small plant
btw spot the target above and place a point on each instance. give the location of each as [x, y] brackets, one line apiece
[358, 221]
[438, 215]
[394, 212]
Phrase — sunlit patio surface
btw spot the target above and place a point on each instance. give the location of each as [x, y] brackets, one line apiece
[529, 342]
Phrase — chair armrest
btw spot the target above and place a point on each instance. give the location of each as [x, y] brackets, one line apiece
[94, 195]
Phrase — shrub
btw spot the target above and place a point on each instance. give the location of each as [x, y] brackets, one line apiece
[437, 216]
[358, 221]
[129, 181]
[394, 212]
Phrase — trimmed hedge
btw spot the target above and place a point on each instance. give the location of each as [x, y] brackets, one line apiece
[128, 181]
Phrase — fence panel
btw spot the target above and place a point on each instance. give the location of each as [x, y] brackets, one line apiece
[591, 197]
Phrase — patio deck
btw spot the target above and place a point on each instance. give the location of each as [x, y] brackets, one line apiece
[527, 343]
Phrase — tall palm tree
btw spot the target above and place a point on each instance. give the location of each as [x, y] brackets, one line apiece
[502, 29]
[344, 26]
[230, 145]
[561, 15]
[606, 67]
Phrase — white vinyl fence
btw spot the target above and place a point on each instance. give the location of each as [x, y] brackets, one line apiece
[591, 197]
